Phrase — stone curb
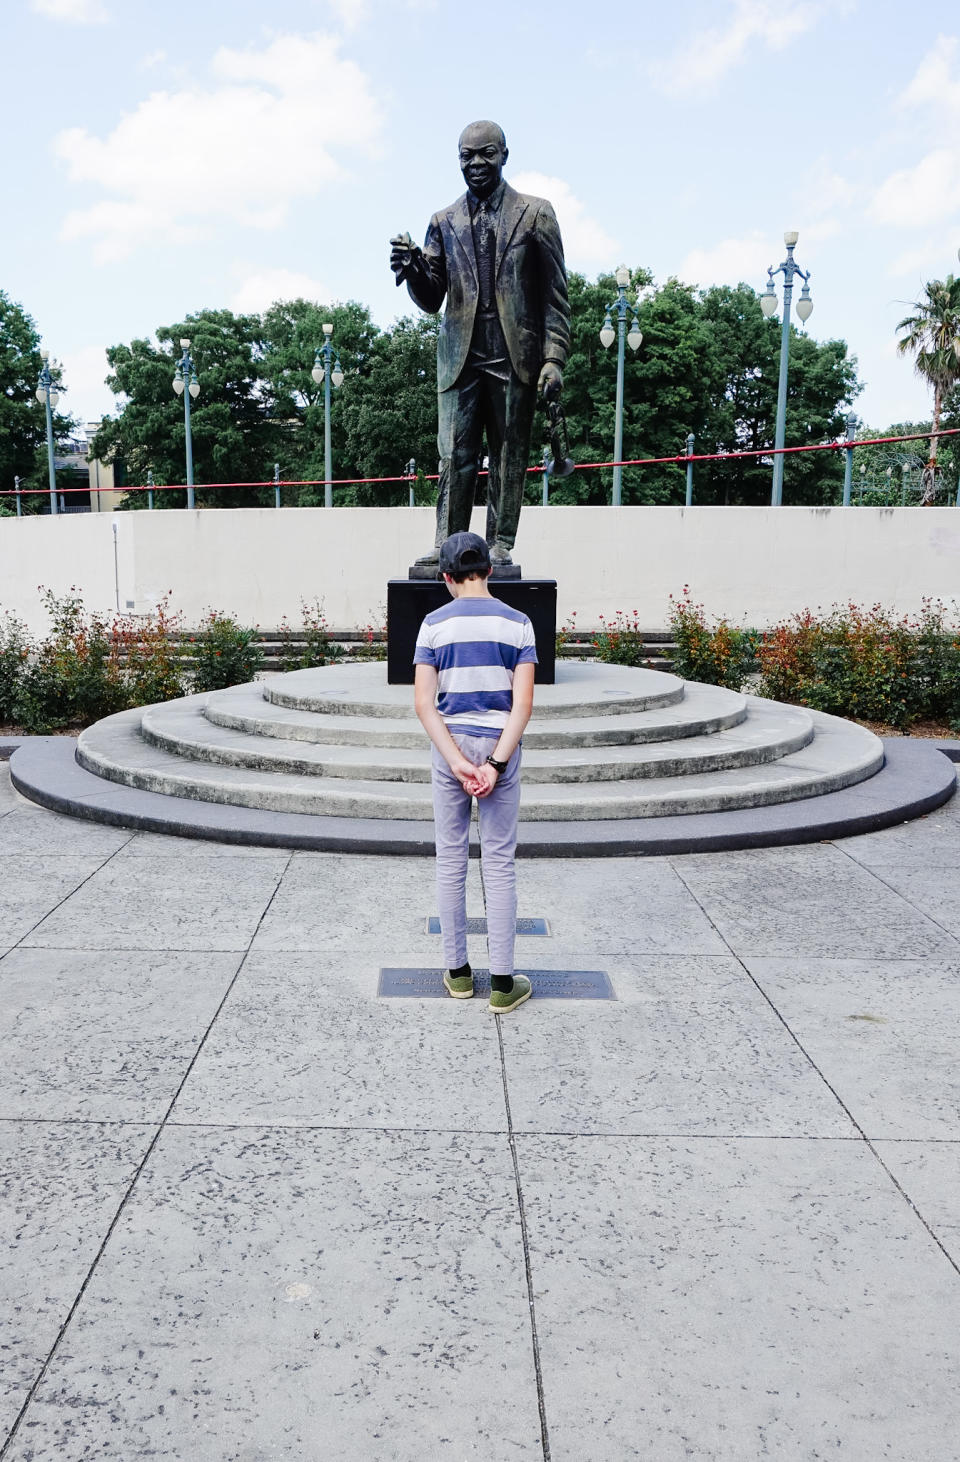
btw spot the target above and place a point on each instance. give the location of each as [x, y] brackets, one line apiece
[917, 777]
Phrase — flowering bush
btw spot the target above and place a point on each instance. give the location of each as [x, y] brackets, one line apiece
[866, 663]
[222, 653]
[14, 649]
[722, 655]
[73, 677]
[314, 646]
[620, 642]
[370, 647]
[146, 648]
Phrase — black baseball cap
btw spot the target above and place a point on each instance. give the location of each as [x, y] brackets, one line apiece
[464, 553]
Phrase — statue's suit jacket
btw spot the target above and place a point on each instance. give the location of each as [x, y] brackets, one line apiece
[530, 283]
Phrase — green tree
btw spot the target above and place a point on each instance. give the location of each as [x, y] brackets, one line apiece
[708, 363]
[292, 332]
[931, 335]
[23, 428]
[234, 425]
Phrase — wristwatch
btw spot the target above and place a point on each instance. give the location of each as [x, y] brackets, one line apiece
[499, 766]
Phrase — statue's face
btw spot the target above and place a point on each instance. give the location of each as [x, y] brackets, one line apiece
[482, 156]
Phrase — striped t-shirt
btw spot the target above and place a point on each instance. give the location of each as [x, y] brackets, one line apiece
[475, 646]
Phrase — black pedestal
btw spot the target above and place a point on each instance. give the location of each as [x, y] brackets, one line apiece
[408, 600]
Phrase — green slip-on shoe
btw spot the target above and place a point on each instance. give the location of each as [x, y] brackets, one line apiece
[459, 986]
[503, 1000]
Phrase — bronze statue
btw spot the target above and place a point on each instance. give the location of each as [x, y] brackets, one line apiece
[497, 257]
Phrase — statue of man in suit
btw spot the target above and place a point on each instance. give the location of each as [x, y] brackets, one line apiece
[497, 257]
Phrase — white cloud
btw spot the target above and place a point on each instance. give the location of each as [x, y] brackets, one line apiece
[932, 83]
[238, 151]
[84, 373]
[77, 12]
[929, 191]
[921, 195]
[585, 241]
[772, 23]
[259, 290]
[732, 260]
[350, 13]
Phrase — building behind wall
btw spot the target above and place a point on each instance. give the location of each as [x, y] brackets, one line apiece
[106, 479]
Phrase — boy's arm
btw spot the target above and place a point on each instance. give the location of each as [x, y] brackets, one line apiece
[509, 738]
[425, 705]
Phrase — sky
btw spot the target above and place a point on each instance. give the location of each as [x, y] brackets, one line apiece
[166, 158]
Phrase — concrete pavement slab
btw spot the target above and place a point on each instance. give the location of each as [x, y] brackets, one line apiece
[332, 901]
[124, 1027]
[935, 836]
[165, 845]
[282, 1054]
[8, 797]
[31, 829]
[807, 901]
[938, 898]
[862, 989]
[60, 1186]
[605, 904]
[204, 902]
[663, 1067]
[729, 1300]
[302, 1296]
[929, 1173]
[33, 886]
[883, 1035]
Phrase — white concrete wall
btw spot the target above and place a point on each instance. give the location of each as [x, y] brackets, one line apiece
[752, 564]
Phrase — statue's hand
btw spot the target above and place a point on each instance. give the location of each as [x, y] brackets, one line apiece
[405, 256]
[550, 383]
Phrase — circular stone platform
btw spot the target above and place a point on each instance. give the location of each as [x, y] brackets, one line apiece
[616, 760]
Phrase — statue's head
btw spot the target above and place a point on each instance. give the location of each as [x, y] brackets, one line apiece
[483, 152]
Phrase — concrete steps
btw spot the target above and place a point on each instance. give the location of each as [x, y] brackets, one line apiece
[580, 690]
[184, 730]
[606, 743]
[701, 710]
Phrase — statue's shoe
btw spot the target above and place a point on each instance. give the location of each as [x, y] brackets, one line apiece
[429, 560]
[500, 554]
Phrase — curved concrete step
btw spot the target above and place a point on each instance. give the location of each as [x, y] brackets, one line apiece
[580, 690]
[840, 755]
[703, 710]
[769, 733]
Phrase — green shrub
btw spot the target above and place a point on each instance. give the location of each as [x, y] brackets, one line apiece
[147, 648]
[74, 676]
[621, 641]
[317, 648]
[14, 650]
[222, 653]
[721, 655]
[866, 663]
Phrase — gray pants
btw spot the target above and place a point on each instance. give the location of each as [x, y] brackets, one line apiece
[497, 816]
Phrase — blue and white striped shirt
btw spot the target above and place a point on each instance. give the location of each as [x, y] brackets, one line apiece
[475, 645]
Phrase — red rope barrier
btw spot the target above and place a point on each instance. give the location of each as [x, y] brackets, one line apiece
[839, 446]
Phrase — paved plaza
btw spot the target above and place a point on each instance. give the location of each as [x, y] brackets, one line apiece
[251, 1211]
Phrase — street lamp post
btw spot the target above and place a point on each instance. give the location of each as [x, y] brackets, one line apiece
[633, 339]
[691, 441]
[410, 471]
[322, 371]
[547, 459]
[768, 304]
[852, 425]
[16, 488]
[48, 397]
[185, 384]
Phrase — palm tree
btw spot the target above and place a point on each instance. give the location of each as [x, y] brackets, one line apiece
[932, 337]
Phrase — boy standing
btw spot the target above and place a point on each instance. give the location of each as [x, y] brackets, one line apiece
[473, 692]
